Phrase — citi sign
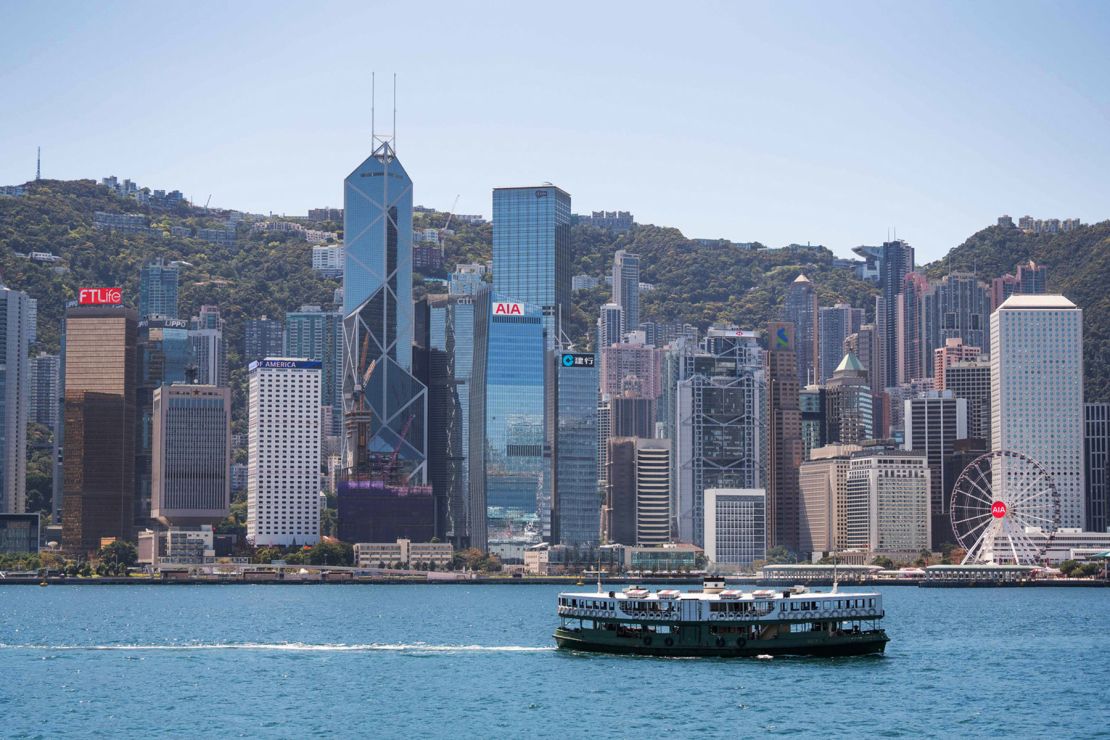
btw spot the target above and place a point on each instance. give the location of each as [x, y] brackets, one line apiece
[99, 296]
[502, 308]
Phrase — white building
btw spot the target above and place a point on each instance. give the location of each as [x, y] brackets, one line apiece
[1037, 391]
[735, 525]
[283, 452]
[15, 397]
[328, 260]
[405, 552]
[887, 502]
[823, 485]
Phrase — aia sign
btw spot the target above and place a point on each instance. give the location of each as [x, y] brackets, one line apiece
[502, 308]
[99, 296]
[998, 509]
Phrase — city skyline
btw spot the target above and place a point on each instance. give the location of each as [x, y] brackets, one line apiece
[933, 152]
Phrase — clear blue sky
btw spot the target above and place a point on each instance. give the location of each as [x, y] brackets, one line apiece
[826, 122]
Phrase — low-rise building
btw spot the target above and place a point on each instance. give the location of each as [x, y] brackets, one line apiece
[405, 552]
[19, 533]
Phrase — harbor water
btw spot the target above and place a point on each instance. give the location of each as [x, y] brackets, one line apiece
[479, 661]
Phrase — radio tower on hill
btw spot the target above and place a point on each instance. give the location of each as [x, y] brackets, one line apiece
[38, 165]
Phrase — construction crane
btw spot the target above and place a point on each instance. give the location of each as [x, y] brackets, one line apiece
[207, 202]
[391, 468]
[443, 231]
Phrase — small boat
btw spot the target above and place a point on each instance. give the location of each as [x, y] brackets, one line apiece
[720, 622]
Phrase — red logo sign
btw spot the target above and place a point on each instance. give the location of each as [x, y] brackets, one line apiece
[508, 309]
[998, 509]
[99, 296]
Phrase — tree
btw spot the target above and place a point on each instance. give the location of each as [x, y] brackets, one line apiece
[779, 554]
[118, 552]
[884, 562]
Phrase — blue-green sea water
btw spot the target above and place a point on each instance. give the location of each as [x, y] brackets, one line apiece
[478, 661]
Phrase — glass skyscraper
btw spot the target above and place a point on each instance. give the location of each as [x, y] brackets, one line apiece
[384, 405]
[531, 250]
[158, 290]
[576, 506]
[507, 419]
[318, 335]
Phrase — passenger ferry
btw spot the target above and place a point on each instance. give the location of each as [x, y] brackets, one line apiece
[721, 622]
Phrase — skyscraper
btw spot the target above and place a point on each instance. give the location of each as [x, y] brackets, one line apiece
[318, 335]
[933, 422]
[952, 351]
[264, 337]
[15, 390]
[384, 404]
[720, 424]
[913, 363]
[626, 286]
[887, 502]
[1032, 279]
[957, 307]
[637, 493]
[531, 250]
[895, 262]
[576, 507]
[801, 310]
[99, 461]
[206, 334]
[45, 390]
[849, 411]
[784, 439]
[191, 454]
[834, 324]
[623, 360]
[1096, 463]
[823, 484]
[283, 452]
[1037, 391]
[610, 325]
[158, 290]
[735, 526]
[507, 418]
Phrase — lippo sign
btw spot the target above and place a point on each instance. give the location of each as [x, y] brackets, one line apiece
[99, 296]
[503, 308]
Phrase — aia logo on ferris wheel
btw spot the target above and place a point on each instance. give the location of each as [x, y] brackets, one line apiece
[998, 509]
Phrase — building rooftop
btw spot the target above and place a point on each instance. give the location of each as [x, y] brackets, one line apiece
[801, 278]
[850, 363]
[1037, 301]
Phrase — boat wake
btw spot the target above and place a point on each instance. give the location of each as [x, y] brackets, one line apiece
[294, 647]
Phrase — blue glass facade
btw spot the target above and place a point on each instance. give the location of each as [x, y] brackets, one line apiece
[507, 418]
[318, 335]
[384, 405]
[576, 516]
[158, 290]
[531, 249]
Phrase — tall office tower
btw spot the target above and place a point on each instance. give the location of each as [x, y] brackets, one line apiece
[192, 454]
[45, 390]
[283, 452]
[811, 407]
[620, 362]
[449, 392]
[912, 360]
[864, 344]
[933, 422]
[576, 509]
[610, 325]
[384, 404]
[626, 286]
[1096, 464]
[318, 335]
[954, 350]
[895, 262]
[834, 325]
[785, 451]
[164, 353]
[15, 387]
[849, 408]
[626, 415]
[206, 334]
[467, 279]
[823, 485]
[99, 402]
[1002, 288]
[800, 309]
[507, 419]
[264, 337]
[1032, 278]
[638, 492]
[720, 424]
[33, 320]
[1037, 391]
[887, 500]
[736, 528]
[957, 307]
[531, 251]
[158, 290]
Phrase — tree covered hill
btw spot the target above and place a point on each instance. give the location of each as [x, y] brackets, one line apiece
[1078, 263]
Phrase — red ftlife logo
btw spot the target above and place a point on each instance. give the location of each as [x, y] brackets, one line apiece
[508, 309]
[99, 296]
[998, 509]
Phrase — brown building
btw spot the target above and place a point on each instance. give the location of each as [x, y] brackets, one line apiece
[784, 437]
[637, 507]
[99, 458]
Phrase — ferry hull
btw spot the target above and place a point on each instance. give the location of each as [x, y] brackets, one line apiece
[868, 643]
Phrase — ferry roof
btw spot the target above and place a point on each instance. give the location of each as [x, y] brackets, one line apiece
[768, 593]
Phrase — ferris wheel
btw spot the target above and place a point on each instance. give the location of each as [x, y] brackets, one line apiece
[1005, 509]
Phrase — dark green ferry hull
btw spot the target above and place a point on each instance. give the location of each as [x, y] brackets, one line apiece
[690, 644]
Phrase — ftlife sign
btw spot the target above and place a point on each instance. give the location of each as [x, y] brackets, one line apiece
[99, 296]
[504, 308]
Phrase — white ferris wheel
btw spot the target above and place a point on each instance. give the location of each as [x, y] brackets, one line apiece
[1005, 509]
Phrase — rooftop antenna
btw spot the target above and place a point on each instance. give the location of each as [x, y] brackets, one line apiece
[38, 165]
[393, 133]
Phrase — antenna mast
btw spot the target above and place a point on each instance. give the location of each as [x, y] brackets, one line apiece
[38, 165]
